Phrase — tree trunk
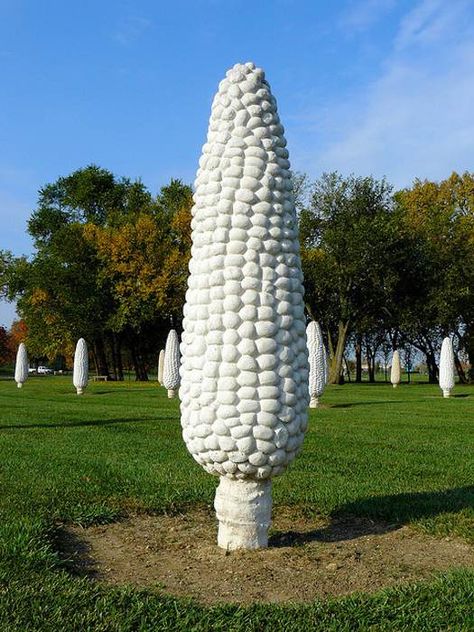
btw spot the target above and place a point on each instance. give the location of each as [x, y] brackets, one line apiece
[461, 373]
[432, 366]
[114, 355]
[100, 358]
[119, 359]
[371, 366]
[330, 344]
[116, 348]
[136, 366]
[94, 359]
[358, 358]
[335, 369]
[370, 354]
[423, 343]
[348, 370]
[141, 374]
[143, 370]
[469, 347]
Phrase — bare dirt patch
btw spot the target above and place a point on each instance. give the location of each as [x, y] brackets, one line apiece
[308, 558]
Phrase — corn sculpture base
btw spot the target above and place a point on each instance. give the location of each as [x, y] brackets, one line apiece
[244, 370]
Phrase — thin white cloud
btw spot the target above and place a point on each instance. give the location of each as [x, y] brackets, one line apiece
[416, 119]
[130, 29]
[427, 22]
[363, 14]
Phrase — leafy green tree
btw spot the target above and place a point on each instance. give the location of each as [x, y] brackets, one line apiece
[440, 217]
[5, 347]
[61, 292]
[146, 264]
[89, 195]
[348, 233]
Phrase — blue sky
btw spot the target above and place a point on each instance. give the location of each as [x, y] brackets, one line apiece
[382, 87]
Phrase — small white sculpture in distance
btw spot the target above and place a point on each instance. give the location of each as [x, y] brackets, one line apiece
[171, 364]
[161, 366]
[244, 371]
[318, 363]
[396, 369]
[446, 367]
[21, 365]
[80, 377]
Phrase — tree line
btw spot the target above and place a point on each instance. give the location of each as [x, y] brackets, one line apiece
[383, 269]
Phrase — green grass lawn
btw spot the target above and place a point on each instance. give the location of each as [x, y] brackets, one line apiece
[404, 455]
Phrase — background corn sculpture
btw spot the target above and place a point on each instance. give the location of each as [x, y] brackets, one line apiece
[318, 363]
[80, 377]
[21, 365]
[161, 366]
[395, 371]
[446, 367]
[244, 372]
[171, 364]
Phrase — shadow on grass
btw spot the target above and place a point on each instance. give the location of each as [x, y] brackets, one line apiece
[75, 554]
[377, 403]
[380, 514]
[152, 389]
[94, 422]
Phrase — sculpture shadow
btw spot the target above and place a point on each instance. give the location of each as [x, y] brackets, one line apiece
[93, 422]
[97, 392]
[377, 403]
[379, 514]
[74, 554]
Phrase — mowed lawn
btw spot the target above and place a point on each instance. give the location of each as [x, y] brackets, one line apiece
[403, 455]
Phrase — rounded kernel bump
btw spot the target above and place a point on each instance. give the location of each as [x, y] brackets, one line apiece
[270, 405]
[258, 458]
[246, 445]
[267, 419]
[263, 472]
[227, 444]
[277, 458]
[267, 447]
[247, 468]
[263, 432]
[239, 432]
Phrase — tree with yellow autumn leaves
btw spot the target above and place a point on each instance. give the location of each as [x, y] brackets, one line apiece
[110, 266]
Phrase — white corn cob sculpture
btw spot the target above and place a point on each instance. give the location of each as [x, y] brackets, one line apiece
[244, 372]
[171, 364]
[161, 366]
[80, 376]
[318, 364]
[446, 367]
[395, 371]
[21, 365]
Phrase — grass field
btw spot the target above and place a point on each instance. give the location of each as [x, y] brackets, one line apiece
[403, 455]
